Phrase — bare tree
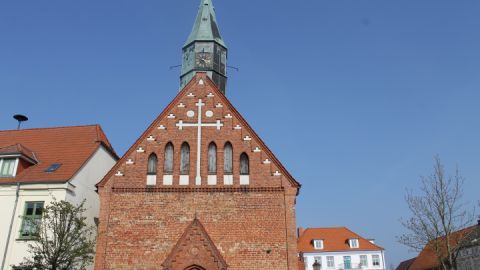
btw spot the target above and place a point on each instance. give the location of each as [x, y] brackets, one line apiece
[438, 213]
[64, 241]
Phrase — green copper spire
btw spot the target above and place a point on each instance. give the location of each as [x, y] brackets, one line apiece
[205, 27]
[205, 50]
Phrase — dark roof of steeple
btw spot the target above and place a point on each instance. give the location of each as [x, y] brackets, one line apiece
[205, 27]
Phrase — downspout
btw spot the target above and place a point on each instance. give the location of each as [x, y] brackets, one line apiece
[11, 225]
[383, 259]
[286, 225]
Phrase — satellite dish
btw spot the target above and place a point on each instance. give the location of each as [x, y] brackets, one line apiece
[20, 118]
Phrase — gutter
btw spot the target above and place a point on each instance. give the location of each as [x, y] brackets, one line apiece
[11, 225]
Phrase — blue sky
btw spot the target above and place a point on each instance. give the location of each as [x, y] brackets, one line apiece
[354, 97]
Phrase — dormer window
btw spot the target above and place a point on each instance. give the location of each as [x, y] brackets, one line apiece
[8, 167]
[318, 244]
[353, 243]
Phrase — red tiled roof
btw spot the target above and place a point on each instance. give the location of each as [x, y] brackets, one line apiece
[69, 146]
[334, 239]
[427, 258]
[405, 265]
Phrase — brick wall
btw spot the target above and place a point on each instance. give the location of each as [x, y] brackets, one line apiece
[252, 226]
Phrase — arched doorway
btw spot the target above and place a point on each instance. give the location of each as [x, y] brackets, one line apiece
[194, 267]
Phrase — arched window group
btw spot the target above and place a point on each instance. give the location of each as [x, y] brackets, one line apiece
[185, 160]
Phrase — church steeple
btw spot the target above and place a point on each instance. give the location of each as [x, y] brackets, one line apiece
[205, 49]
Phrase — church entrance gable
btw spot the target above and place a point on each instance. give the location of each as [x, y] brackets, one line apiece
[194, 251]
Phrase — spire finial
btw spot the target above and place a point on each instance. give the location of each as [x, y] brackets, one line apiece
[205, 27]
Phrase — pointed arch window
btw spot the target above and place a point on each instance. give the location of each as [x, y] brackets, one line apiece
[152, 164]
[168, 162]
[185, 158]
[212, 158]
[228, 159]
[244, 164]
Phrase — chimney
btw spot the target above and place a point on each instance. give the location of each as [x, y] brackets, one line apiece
[371, 241]
[300, 231]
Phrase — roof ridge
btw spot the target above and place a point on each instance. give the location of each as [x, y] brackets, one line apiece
[336, 227]
[56, 127]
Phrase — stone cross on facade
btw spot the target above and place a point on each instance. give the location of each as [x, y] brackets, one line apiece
[199, 125]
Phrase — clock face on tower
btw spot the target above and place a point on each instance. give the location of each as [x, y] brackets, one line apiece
[203, 60]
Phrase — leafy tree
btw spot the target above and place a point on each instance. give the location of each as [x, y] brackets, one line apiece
[65, 241]
[438, 213]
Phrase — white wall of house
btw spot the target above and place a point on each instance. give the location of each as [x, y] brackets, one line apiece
[81, 186]
[86, 179]
[309, 259]
[17, 248]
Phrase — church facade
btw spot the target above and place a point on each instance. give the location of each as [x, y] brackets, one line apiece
[199, 189]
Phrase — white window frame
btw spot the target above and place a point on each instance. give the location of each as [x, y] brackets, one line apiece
[354, 243]
[376, 258]
[366, 260]
[332, 261]
[15, 166]
[318, 244]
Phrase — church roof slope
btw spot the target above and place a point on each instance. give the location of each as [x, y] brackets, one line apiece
[205, 27]
[334, 239]
[69, 146]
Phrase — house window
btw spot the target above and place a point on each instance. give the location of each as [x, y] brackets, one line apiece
[347, 262]
[212, 158]
[318, 259]
[185, 159]
[168, 162]
[330, 261]
[318, 244]
[364, 260]
[353, 243]
[227, 159]
[31, 219]
[375, 260]
[152, 164]
[7, 167]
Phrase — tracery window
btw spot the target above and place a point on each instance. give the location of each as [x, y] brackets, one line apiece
[152, 164]
[244, 164]
[185, 158]
[228, 158]
[168, 162]
[212, 158]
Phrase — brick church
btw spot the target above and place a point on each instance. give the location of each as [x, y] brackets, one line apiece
[198, 190]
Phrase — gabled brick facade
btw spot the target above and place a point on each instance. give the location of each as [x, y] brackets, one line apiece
[250, 218]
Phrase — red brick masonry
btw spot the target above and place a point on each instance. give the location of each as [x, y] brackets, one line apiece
[237, 226]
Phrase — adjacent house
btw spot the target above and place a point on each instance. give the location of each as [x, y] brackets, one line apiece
[466, 243]
[469, 255]
[338, 248]
[43, 164]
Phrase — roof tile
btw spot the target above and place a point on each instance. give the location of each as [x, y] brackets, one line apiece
[70, 146]
[334, 239]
